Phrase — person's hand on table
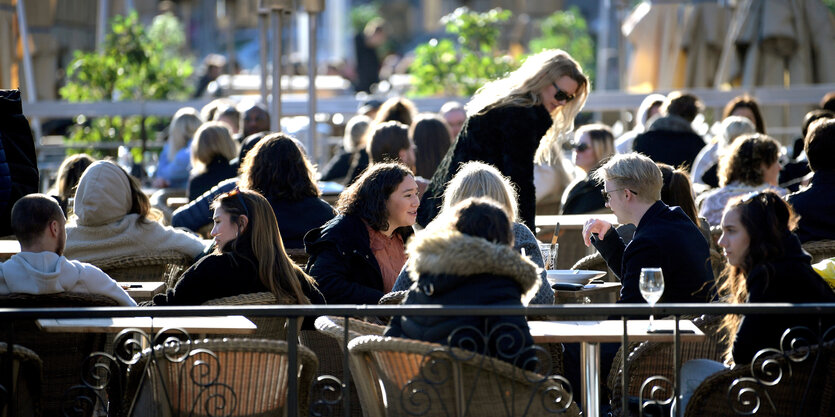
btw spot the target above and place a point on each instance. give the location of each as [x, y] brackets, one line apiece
[600, 227]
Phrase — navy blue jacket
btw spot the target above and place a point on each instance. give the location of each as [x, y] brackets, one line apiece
[505, 137]
[296, 218]
[816, 207]
[674, 148]
[217, 171]
[665, 238]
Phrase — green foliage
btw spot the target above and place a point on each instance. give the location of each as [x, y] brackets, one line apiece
[134, 65]
[459, 69]
[567, 30]
[362, 14]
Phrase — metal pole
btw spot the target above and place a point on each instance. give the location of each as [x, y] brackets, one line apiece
[275, 23]
[603, 43]
[101, 25]
[313, 141]
[230, 40]
[263, 26]
[29, 75]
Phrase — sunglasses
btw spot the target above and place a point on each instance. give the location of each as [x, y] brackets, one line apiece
[237, 192]
[562, 95]
[580, 147]
[608, 196]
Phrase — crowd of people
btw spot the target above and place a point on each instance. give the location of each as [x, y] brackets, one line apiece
[443, 205]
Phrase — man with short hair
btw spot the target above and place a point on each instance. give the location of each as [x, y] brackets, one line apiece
[40, 267]
[254, 119]
[815, 204]
[665, 237]
[670, 139]
[455, 116]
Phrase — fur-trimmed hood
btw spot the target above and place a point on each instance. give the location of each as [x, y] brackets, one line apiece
[450, 252]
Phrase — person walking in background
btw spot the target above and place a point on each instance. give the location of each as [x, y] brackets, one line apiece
[507, 119]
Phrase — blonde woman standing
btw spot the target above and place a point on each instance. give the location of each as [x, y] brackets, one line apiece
[506, 122]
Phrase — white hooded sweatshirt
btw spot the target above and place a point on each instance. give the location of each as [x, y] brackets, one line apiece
[49, 273]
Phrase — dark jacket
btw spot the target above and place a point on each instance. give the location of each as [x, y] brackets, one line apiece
[665, 238]
[583, 196]
[296, 218]
[816, 207]
[670, 140]
[787, 279]
[198, 213]
[19, 166]
[342, 263]
[223, 275]
[217, 171]
[452, 268]
[337, 168]
[505, 137]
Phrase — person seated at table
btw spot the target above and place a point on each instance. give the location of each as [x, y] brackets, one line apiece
[477, 179]
[752, 163]
[430, 134]
[67, 178]
[249, 257]
[40, 267]
[337, 168]
[113, 218]
[211, 150]
[815, 204]
[664, 237]
[390, 142]
[356, 256]
[278, 169]
[595, 143]
[765, 265]
[465, 257]
[671, 138]
[175, 158]
[706, 165]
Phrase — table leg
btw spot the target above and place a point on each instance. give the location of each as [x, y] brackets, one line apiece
[590, 357]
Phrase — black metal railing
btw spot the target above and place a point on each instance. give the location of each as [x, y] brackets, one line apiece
[746, 395]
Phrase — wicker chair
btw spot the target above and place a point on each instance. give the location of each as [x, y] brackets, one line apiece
[25, 389]
[328, 343]
[256, 370]
[805, 388]
[448, 381]
[820, 250]
[648, 359]
[298, 255]
[274, 328]
[162, 266]
[62, 353]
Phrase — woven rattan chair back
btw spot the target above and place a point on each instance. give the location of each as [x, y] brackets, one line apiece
[162, 266]
[62, 353]
[820, 249]
[298, 255]
[274, 328]
[416, 377]
[24, 388]
[240, 377]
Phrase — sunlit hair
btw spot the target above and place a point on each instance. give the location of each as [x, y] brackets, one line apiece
[484, 218]
[430, 134]
[229, 114]
[69, 173]
[732, 128]
[277, 168]
[746, 159]
[819, 145]
[522, 88]
[746, 102]
[601, 137]
[386, 140]
[367, 196]
[477, 179]
[354, 131]
[208, 112]
[185, 122]
[642, 115]
[211, 140]
[399, 109]
[635, 172]
[811, 117]
[275, 269]
[677, 190]
[768, 221]
[683, 104]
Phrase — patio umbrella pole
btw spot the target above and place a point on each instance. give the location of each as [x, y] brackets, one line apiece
[313, 8]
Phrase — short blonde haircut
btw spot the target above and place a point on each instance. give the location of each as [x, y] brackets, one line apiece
[635, 172]
[210, 140]
[477, 179]
[185, 122]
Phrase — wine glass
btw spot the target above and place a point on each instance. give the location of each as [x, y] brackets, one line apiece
[651, 285]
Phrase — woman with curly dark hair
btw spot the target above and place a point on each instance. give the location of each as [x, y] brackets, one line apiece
[751, 164]
[355, 257]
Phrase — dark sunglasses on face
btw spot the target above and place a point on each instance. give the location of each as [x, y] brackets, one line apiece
[580, 147]
[562, 95]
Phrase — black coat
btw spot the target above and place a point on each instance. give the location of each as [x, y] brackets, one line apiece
[342, 263]
[583, 196]
[456, 269]
[671, 147]
[19, 168]
[787, 279]
[217, 171]
[816, 207]
[296, 218]
[337, 168]
[505, 137]
[665, 238]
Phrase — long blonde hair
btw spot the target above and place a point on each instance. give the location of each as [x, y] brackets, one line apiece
[185, 122]
[210, 140]
[522, 87]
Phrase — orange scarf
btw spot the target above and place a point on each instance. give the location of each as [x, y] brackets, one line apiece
[390, 253]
